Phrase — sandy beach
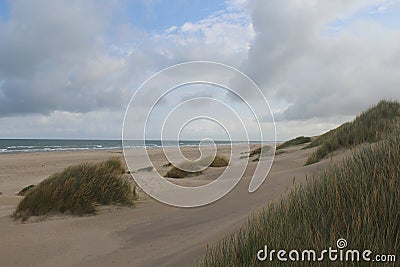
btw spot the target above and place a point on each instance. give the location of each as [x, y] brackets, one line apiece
[149, 234]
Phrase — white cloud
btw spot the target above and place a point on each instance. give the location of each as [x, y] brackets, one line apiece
[62, 124]
[317, 75]
[61, 68]
[224, 36]
[308, 127]
[383, 6]
[70, 72]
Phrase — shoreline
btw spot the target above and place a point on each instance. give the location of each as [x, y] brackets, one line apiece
[58, 151]
[8, 146]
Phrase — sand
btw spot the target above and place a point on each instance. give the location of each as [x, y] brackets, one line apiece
[150, 234]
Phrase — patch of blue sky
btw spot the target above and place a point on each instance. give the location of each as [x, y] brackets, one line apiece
[158, 15]
[389, 16]
[386, 13]
[4, 10]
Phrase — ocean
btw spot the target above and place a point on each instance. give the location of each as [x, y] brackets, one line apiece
[40, 145]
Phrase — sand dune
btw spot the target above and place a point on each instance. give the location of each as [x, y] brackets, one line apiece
[151, 234]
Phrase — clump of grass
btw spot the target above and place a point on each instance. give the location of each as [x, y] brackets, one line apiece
[195, 167]
[256, 151]
[294, 142]
[219, 161]
[259, 151]
[77, 189]
[357, 199]
[25, 190]
[176, 172]
[370, 126]
[169, 164]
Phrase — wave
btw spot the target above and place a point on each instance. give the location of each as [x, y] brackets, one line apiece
[47, 145]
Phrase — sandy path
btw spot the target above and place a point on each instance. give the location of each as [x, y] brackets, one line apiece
[151, 234]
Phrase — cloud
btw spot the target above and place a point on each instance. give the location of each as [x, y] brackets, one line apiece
[73, 65]
[63, 124]
[224, 37]
[309, 127]
[77, 58]
[57, 60]
[84, 59]
[319, 74]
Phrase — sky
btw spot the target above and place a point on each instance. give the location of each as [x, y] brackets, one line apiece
[69, 68]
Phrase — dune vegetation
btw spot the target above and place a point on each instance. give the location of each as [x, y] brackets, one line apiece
[77, 189]
[259, 151]
[294, 142]
[357, 199]
[370, 126]
[191, 168]
[25, 190]
[219, 161]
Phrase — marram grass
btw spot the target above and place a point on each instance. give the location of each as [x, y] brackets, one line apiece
[261, 151]
[190, 168]
[357, 199]
[77, 189]
[370, 126]
[294, 142]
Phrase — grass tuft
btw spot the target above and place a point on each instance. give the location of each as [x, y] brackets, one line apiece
[196, 166]
[259, 151]
[175, 172]
[77, 189]
[219, 161]
[370, 126]
[294, 142]
[357, 199]
[25, 190]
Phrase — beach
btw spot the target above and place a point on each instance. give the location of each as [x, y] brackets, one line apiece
[149, 234]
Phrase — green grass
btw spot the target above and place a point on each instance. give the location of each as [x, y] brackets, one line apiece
[370, 126]
[357, 199]
[77, 189]
[294, 142]
[196, 167]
